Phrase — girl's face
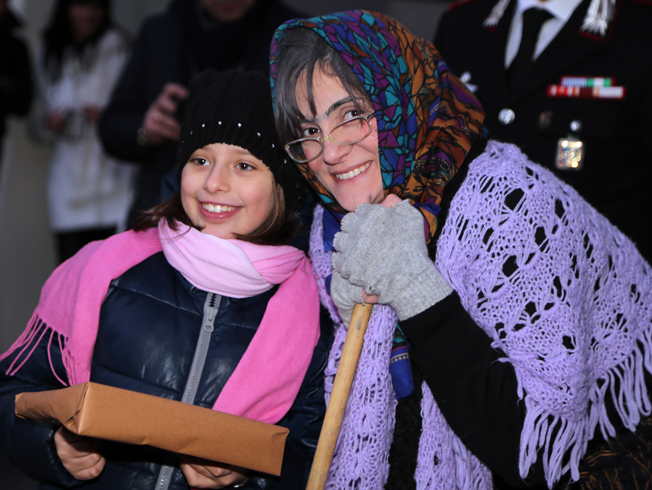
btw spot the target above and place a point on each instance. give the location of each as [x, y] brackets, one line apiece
[226, 191]
[85, 19]
[350, 173]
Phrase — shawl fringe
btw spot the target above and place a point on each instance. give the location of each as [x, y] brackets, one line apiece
[563, 441]
[564, 387]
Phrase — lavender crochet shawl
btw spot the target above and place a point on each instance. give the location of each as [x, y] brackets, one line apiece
[561, 291]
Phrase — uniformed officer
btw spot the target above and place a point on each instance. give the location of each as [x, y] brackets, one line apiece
[569, 82]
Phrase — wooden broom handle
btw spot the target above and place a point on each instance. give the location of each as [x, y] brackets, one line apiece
[339, 396]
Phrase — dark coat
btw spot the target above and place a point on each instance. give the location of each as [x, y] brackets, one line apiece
[617, 174]
[146, 343]
[172, 47]
[16, 84]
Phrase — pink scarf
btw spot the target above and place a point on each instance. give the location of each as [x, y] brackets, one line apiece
[227, 267]
[277, 359]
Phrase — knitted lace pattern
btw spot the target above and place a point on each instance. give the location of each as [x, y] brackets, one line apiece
[361, 455]
[560, 290]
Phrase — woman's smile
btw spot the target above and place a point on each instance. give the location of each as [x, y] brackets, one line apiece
[351, 173]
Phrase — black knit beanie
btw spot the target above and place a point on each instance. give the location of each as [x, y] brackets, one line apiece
[235, 108]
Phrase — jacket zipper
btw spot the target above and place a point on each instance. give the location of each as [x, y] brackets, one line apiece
[211, 307]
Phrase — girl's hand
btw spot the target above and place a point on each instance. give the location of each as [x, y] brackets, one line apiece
[160, 123]
[80, 455]
[208, 474]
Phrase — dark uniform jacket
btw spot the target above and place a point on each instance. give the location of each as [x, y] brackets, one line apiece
[148, 335]
[617, 174]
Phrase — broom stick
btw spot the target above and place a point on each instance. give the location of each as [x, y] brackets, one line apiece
[339, 397]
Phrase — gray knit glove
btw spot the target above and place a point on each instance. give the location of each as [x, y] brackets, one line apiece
[383, 250]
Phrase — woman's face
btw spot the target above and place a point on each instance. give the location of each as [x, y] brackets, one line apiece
[226, 191]
[85, 20]
[350, 173]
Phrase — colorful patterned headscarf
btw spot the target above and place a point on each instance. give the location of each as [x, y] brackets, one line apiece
[427, 119]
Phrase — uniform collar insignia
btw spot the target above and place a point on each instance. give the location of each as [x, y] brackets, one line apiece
[597, 20]
[496, 14]
[599, 17]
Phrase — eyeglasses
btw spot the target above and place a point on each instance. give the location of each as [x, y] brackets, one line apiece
[349, 132]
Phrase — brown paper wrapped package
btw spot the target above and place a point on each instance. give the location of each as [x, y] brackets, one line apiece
[95, 410]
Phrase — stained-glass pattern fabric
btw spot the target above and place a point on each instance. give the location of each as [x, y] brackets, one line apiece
[427, 119]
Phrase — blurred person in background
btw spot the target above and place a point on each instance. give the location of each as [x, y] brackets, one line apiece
[15, 70]
[141, 122]
[82, 55]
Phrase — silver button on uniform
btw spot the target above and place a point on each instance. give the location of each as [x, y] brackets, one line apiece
[506, 116]
[576, 126]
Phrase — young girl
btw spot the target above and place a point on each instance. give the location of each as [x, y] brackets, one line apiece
[82, 56]
[201, 302]
[525, 311]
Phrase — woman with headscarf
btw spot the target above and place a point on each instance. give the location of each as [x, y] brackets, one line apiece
[513, 323]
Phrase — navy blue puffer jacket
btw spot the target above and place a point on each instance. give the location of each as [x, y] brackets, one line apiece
[150, 328]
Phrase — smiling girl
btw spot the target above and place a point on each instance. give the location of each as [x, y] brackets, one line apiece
[203, 288]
